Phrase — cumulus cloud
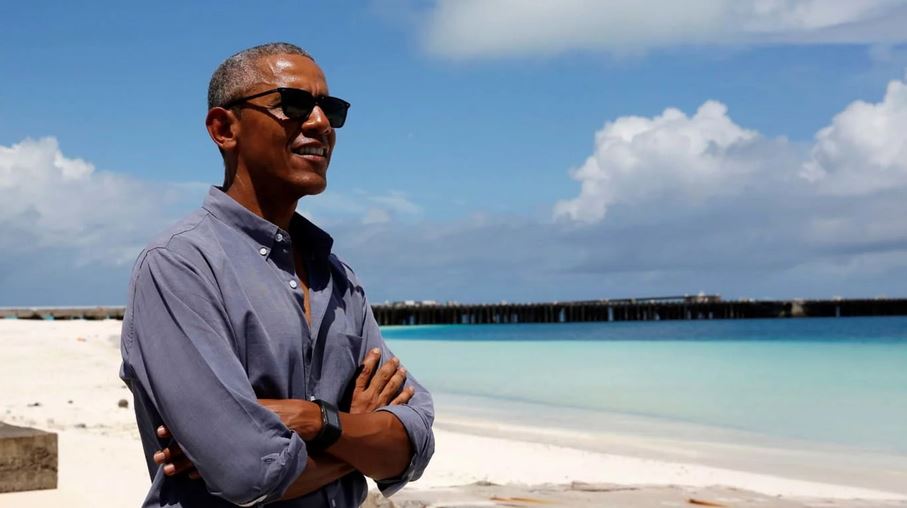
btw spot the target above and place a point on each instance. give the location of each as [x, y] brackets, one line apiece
[491, 28]
[676, 193]
[51, 201]
[702, 157]
[864, 150]
[650, 159]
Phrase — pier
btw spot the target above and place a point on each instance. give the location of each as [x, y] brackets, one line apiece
[630, 309]
[92, 313]
[626, 309]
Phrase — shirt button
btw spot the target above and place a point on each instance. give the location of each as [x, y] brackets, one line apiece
[293, 284]
[279, 237]
[263, 251]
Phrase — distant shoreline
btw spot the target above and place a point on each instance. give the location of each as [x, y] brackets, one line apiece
[695, 307]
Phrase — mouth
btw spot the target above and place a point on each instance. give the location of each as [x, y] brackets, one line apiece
[310, 151]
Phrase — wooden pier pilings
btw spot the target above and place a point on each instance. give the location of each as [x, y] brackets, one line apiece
[681, 308]
[649, 309]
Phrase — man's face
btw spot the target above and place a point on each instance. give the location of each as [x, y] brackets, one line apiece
[276, 151]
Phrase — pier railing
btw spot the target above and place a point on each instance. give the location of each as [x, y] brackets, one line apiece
[627, 309]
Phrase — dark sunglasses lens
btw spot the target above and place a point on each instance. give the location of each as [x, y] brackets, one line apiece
[335, 109]
[296, 104]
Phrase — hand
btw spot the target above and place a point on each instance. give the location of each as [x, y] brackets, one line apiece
[372, 392]
[173, 459]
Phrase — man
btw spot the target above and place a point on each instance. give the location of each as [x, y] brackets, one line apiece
[244, 334]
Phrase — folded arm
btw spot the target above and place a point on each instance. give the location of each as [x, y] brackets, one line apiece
[374, 443]
[320, 469]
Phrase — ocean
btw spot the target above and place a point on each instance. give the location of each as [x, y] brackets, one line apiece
[836, 381]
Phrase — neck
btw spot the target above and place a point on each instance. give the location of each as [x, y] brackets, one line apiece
[271, 206]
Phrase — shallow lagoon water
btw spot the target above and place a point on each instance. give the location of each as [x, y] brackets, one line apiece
[831, 381]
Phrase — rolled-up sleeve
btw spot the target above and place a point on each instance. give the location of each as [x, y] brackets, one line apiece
[417, 415]
[179, 349]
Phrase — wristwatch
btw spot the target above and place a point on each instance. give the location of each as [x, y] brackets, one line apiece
[330, 427]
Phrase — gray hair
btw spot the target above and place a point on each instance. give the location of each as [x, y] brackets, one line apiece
[237, 74]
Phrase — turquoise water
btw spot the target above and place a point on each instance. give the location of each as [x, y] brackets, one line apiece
[841, 381]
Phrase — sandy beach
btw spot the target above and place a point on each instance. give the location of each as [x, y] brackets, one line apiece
[61, 376]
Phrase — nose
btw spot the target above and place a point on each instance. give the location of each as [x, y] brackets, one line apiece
[317, 121]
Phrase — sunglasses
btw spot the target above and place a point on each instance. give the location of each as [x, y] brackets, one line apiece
[297, 104]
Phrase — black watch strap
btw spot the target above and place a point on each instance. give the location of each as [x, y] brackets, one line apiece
[330, 427]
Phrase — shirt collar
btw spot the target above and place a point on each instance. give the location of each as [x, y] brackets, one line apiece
[314, 237]
[263, 232]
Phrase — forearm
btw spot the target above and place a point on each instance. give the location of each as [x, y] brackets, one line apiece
[376, 444]
[320, 470]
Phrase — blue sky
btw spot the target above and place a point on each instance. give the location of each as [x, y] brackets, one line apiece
[495, 149]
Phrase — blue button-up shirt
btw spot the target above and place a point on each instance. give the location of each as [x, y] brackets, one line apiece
[214, 321]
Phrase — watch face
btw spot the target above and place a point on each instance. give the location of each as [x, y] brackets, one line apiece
[332, 416]
[330, 426]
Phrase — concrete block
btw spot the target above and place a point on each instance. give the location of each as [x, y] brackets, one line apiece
[28, 459]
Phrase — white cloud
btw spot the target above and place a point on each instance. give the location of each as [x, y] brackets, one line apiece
[490, 28]
[674, 194]
[673, 158]
[51, 201]
[864, 150]
[396, 201]
[640, 159]
[367, 207]
[376, 216]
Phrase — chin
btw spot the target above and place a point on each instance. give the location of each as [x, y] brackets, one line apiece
[310, 185]
[307, 179]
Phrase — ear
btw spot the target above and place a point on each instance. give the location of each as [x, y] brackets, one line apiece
[223, 127]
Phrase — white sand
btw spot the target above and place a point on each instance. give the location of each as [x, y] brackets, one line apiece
[70, 369]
